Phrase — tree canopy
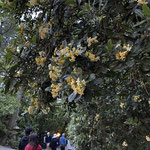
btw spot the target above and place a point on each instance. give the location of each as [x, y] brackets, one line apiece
[90, 55]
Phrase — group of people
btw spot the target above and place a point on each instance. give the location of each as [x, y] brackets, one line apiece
[54, 142]
[30, 141]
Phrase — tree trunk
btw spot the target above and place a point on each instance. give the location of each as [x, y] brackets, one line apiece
[12, 123]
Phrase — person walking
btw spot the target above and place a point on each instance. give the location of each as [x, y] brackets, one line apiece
[54, 142]
[62, 142]
[48, 140]
[33, 143]
[25, 139]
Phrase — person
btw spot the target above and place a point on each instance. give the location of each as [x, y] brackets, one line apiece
[48, 140]
[54, 142]
[62, 142]
[44, 142]
[33, 143]
[25, 139]
[69, 145]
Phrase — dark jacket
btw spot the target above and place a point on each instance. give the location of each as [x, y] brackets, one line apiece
[23, 142]
[54, 143]
[48, 139]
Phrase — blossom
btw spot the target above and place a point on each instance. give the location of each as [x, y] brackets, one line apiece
[30, 110]
[122, 105]
[91, 40]
[55, 89]
[142, 1]
[127, 47]
[43, 31]
[33, 2]
[40, 60]
[124, 144]
[92, 57]
[121, 55]
[27, 43]
[97, 117]
[147, 138]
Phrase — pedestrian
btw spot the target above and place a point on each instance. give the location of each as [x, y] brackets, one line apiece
[48, 140]
[62, 142]
[25, 139]
[44, 142]
[33, 143]
[54, 142]
[69, 146]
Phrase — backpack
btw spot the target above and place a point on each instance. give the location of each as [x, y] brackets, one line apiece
[23, 142]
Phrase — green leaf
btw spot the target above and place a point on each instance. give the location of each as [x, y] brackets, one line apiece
[34, 39]
[87, 6]
[110, 45]
[70, 1]
[1, 37]
[146, 10]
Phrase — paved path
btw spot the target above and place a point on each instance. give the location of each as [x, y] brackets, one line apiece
[5, 148]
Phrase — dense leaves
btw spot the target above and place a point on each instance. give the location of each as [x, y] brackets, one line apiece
[92, 56]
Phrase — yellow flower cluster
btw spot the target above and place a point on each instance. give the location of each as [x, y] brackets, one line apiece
[92, 40]
[55, 89]
[137, 98]
[33, 2]
[121, 55]
[34, 85]
[97, 117]
[127, 47]
[92, 57]
[78, 86]
[147, 138]
[141, 1]
[124, 144]
[43, 31]
[122, 105]
[40, 60]
[30, 110]
[12, 49]
[54, 72]
[35, 102]
[27, 43]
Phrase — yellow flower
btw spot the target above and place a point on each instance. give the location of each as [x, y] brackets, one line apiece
[75, 70]
[122, 105]
[136, 98]
[124, 144]
[30, 110]
[147, 138]
[55, 51]
[61, 62]
[149, 101]
[27, 43]
[52, 76]
[91, 40]
[35, 85]
[69, 80]
[42, 32]
[142, 2]
[97, 117]
[77, 53]
[41, 53]
[92, 56]
[127, 47]
[40, 60]
[121, 55]
[33, 2]
[73, 48]
[55, 89]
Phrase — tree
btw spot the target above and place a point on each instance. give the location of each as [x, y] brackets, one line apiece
[86, 53]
